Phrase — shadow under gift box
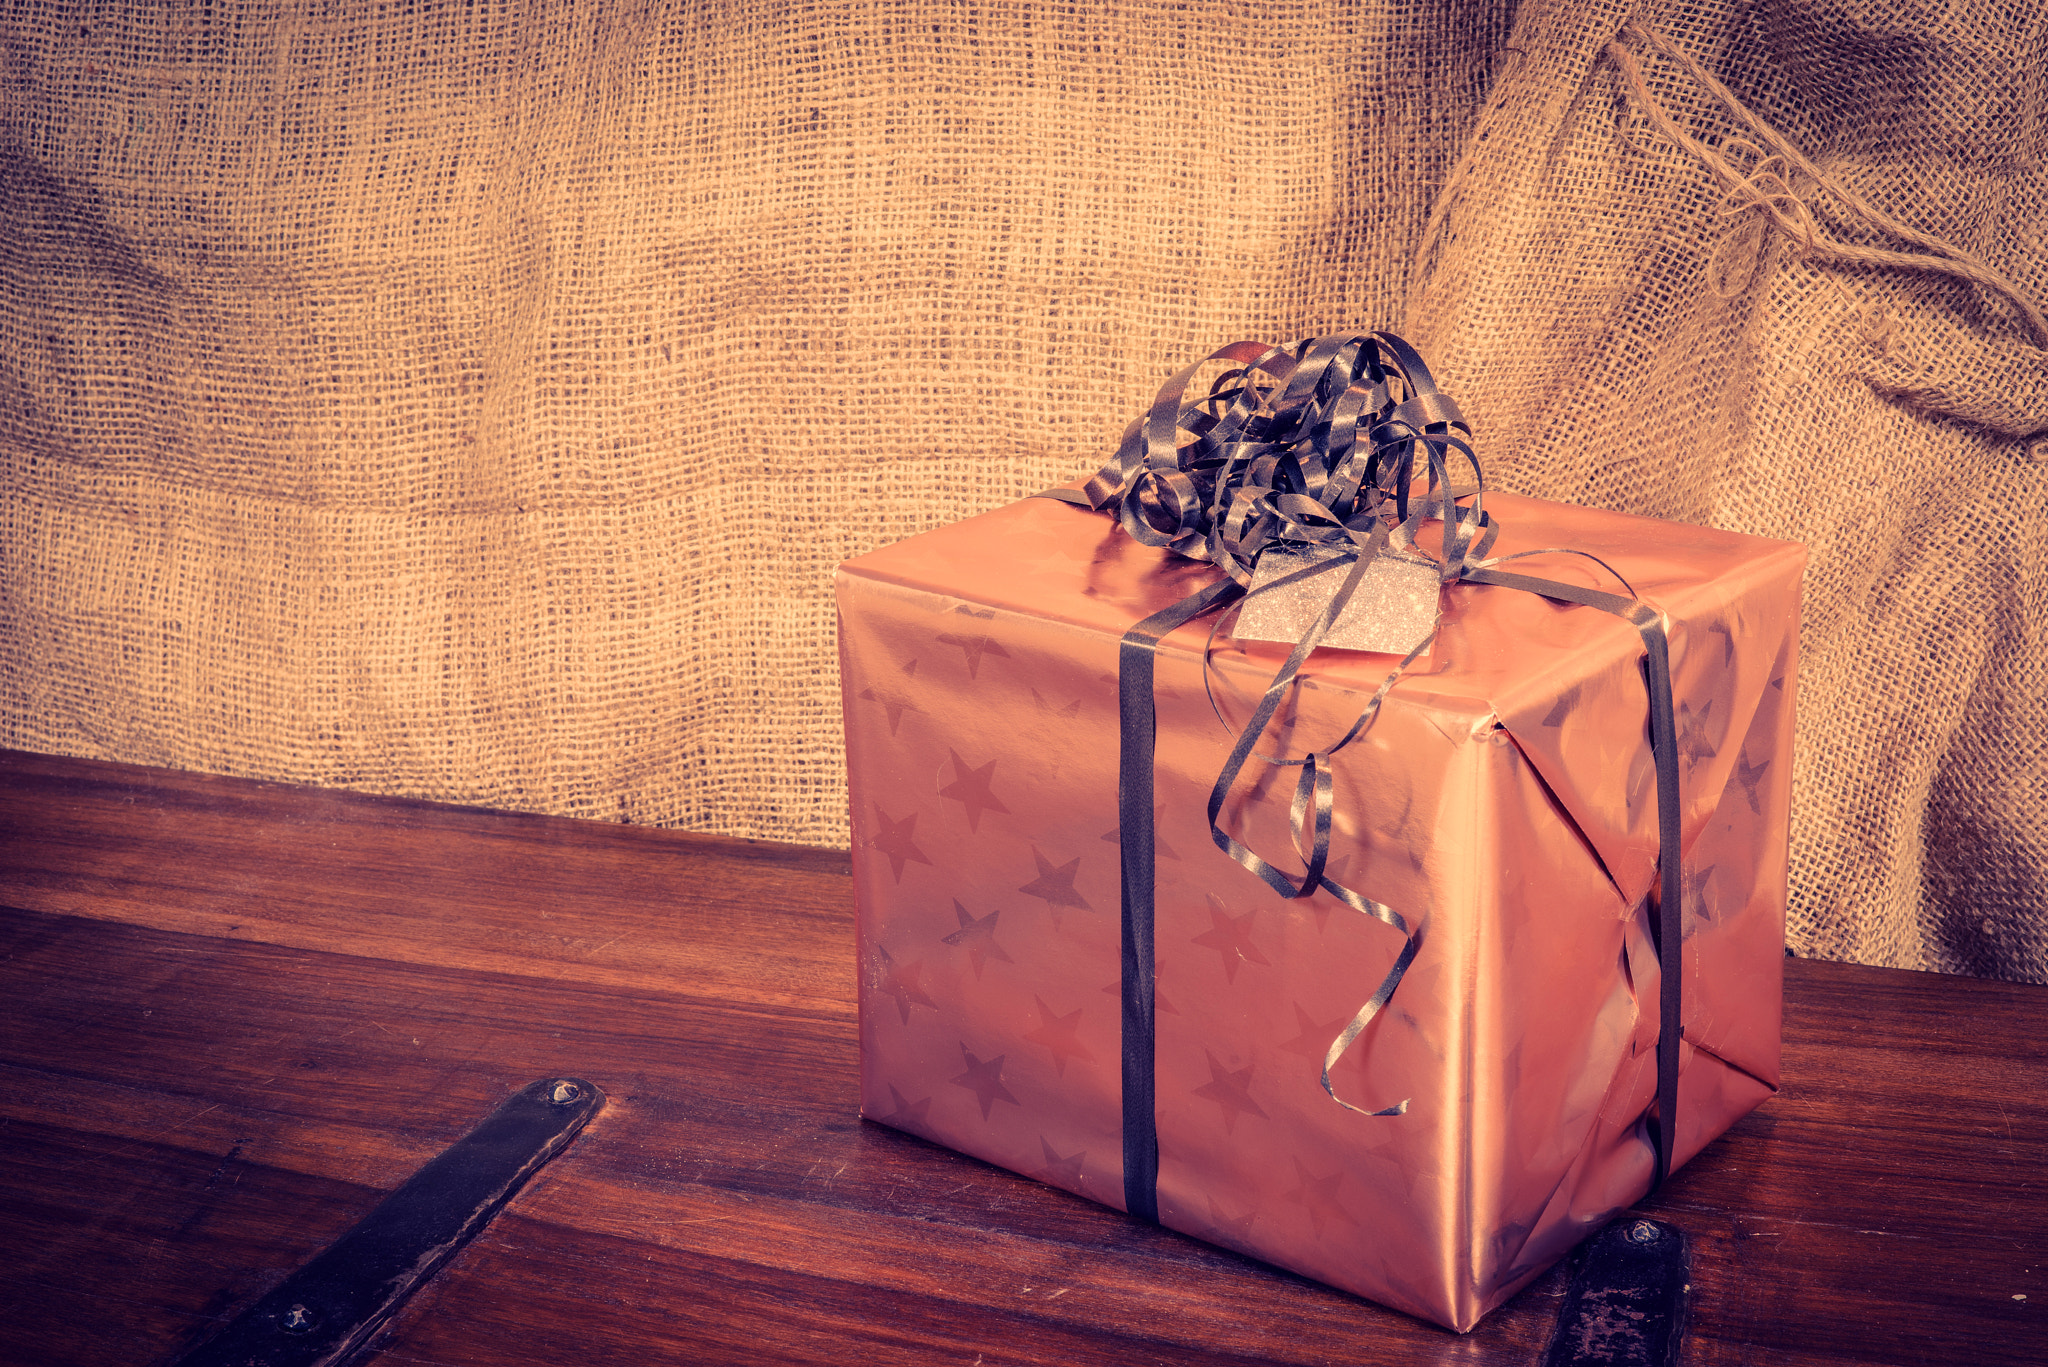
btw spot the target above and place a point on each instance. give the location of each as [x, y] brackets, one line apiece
[1504, 802]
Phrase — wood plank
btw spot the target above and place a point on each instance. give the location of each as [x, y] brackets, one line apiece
[233, 1014]
[417, 882]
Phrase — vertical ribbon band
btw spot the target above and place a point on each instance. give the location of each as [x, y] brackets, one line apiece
[1667, 923]
[1137, 729]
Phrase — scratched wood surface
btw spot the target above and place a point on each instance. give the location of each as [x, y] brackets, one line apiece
[233, 1014]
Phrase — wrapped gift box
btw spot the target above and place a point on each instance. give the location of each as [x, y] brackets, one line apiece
[1503, 802]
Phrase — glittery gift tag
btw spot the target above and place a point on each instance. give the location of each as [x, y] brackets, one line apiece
[1393, 608]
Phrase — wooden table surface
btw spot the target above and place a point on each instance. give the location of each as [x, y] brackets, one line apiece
[234, 1014]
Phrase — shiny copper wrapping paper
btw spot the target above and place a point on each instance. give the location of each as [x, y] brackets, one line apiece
[1504, 799]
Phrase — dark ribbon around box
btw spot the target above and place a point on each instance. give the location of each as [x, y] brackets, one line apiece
[1312, 445]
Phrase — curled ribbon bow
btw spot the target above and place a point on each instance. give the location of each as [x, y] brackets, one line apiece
[1273, 453]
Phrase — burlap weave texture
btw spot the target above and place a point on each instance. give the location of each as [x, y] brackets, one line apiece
[471, 401]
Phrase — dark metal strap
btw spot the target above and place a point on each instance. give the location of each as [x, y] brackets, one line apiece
[1627, 1301]
[326, 1312]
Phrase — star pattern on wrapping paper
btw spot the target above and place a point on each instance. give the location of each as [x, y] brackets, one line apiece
[1693, 882]
[1055, 886]
[970, 788]
[1160, 1005]
[985, 1080]
[1414, 838]
[1318, 1195]
[1230, 1089]
[978, 937]
[1160, 848]
[1059, 1171]
[905, 983]
[1231, 937]
[908, 1115]
[1727, 635]
[895, 706]
[1060, 1037]
[1059, 555]
[1314, 1040]
[894, 840]
[1232, 1231]
[1616, 748]
[1692, 731]
[1052, 562]
[1508, 1242]
[1749, 777]
[973, 648]
[1072, 709]
[1566, 704]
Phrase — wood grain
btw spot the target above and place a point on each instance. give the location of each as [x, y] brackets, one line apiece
[233, 1014]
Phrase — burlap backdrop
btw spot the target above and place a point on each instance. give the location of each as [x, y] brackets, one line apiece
[471, 400]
